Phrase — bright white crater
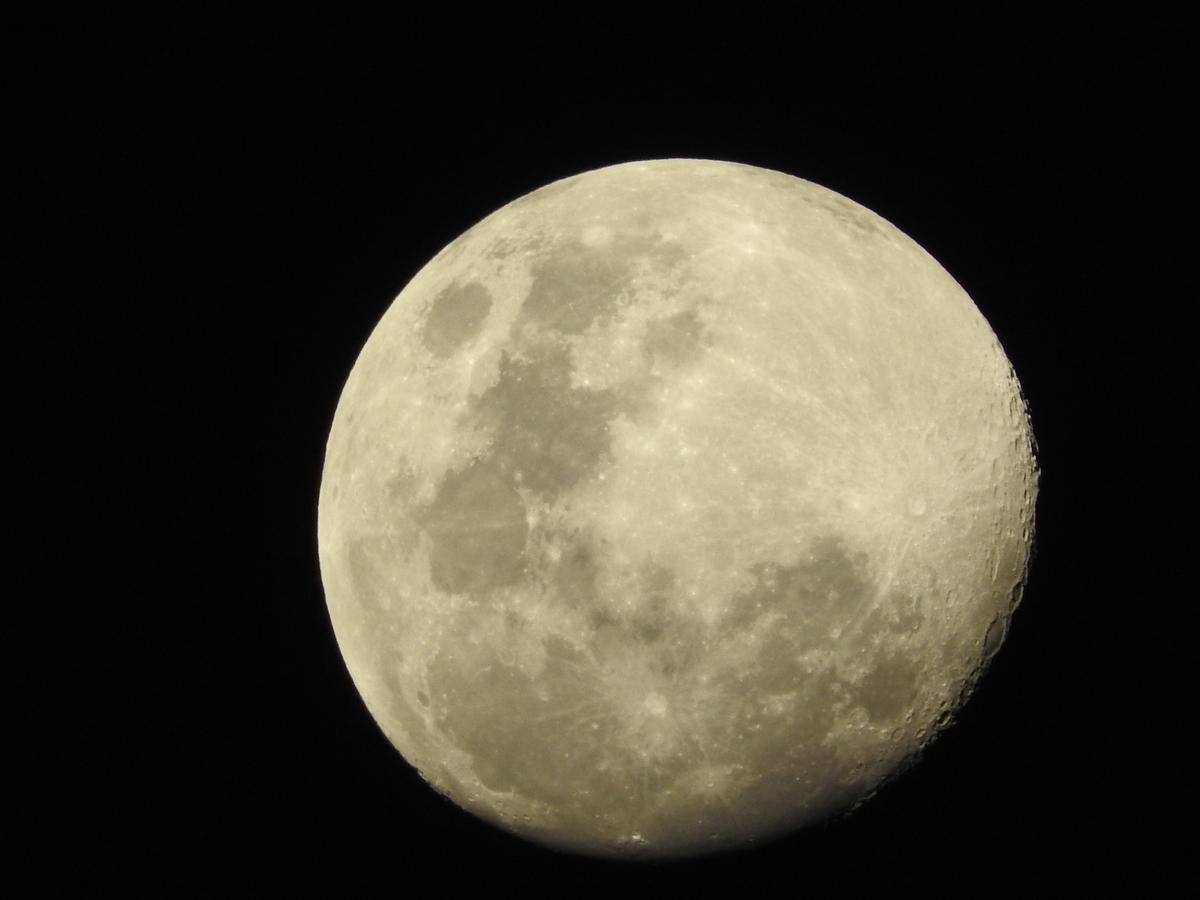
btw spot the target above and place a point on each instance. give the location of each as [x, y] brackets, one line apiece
[674, 506]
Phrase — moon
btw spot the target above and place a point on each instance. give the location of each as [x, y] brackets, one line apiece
[673, 507]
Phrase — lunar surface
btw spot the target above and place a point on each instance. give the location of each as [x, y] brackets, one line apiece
[674, 506]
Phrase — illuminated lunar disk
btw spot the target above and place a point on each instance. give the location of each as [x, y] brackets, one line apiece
[672, 507]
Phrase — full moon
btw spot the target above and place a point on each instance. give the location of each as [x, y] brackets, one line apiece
[672, 507]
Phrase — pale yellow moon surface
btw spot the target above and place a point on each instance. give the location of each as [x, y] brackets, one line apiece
[672, 507]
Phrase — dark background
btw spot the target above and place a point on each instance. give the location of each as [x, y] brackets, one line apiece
[271, 186]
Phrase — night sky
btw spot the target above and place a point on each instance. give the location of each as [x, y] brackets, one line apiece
[273, 183]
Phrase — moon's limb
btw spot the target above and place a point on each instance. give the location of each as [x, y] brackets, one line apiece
[672, 506]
